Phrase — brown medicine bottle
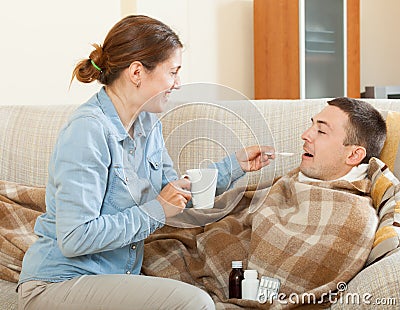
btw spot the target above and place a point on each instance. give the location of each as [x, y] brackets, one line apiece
[235, 280]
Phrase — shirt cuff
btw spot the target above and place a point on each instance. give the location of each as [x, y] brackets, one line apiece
[156, 214]
[232, 163]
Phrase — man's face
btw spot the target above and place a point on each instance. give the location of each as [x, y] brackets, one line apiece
[325, 155]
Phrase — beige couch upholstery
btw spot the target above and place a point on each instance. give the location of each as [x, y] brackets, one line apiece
[192, 133]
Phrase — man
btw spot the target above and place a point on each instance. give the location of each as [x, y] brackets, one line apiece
[314, 227]
[342, 139]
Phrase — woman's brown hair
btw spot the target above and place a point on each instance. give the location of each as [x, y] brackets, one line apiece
[134, 38]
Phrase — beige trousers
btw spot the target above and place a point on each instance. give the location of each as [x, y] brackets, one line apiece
[112, 292]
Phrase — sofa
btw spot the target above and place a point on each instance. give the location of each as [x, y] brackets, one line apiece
[195, 134]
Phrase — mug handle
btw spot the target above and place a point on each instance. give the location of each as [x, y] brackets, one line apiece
[185, 176]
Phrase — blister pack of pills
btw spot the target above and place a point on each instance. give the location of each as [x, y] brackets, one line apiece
[268, 289]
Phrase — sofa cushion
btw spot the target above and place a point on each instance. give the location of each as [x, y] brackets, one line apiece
[390, 154]
[27, 137]
[198, 133]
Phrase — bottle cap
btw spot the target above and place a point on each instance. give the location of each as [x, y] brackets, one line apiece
[237, 264]
[250, 274]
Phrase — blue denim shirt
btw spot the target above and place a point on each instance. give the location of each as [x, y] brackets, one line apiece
[101, 195]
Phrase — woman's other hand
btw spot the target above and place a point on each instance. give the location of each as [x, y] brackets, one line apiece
[174, 197]
[253, 158]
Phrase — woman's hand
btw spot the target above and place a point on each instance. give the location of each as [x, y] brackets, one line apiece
[174, 196]
[253, 158]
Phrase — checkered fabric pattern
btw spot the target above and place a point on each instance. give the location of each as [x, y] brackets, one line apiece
[385, 193]
[19, 207]
[311, 236]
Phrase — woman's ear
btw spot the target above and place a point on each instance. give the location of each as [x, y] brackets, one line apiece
[135, 71]
[356, 156]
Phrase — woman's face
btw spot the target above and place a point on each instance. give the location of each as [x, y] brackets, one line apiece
[158, 84]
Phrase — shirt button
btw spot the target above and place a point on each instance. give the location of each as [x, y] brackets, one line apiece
[131, 152]
[133, 247]
[128, 272]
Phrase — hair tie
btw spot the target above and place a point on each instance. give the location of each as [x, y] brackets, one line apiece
[94, 65]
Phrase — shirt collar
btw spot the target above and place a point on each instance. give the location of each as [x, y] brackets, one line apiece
[138, 128]
[109, 110]
[355, 174]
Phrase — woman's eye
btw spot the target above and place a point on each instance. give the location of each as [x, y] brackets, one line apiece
[321, 132]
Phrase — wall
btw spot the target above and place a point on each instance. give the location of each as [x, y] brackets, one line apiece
[380, 44]
[218, 38]
[40, 43]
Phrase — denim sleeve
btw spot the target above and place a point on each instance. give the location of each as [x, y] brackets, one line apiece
[229, 171]
[81, 162]
[169, 173]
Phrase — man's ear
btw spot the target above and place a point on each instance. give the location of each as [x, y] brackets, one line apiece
[135, 72]
[356, 156]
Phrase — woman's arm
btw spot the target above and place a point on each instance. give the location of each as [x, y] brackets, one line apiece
[81, 171]
[236, 165]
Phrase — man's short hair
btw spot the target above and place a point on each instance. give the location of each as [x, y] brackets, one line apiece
[366, 126]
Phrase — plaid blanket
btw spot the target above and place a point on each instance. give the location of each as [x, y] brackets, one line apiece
[385, 194]
[19, 207]
[311, 236]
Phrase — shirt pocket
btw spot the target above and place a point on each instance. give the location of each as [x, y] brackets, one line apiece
[121, 197]
[155, 170]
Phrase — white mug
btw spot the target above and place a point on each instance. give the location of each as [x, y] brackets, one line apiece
[203, 186]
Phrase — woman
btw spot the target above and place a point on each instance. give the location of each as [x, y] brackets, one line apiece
[111, 183]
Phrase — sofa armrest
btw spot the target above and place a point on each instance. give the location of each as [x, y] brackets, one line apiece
[375, 285]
